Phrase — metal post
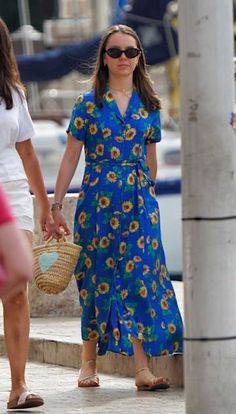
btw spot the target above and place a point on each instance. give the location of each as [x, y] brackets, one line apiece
[209, 205]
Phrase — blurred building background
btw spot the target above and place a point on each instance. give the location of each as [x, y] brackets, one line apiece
[54, 24]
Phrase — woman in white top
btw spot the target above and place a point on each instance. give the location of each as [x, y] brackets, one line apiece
[18, 167]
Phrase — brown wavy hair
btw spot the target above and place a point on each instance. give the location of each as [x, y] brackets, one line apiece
[9, 74]
[141, 78]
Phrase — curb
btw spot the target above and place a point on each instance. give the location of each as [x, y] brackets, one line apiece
[68, 354]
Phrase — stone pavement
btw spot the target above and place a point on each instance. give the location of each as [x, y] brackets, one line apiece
[58, 386]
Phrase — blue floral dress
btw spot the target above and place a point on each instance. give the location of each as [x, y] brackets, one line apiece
[124, 286]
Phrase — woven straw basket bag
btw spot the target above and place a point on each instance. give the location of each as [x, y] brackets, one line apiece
[54, 264]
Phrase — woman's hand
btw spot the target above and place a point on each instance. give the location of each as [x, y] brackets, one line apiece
[60, 224]
[47, 224]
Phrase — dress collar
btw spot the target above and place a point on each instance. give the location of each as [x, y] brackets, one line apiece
[110, 102]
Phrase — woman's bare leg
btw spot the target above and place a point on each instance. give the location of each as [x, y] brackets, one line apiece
[140, 358]
[16, 332]
[89, 350]
[88, 365]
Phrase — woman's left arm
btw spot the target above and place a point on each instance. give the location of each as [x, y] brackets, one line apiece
[151, 160]
[33, 173]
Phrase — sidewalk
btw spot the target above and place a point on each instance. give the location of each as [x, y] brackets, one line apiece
[58, 386]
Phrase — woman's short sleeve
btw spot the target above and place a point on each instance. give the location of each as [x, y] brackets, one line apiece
[155, 130]
[26, 127]
[78, 122]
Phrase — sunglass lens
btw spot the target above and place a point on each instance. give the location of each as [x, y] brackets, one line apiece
[131, 52]
[114, 52]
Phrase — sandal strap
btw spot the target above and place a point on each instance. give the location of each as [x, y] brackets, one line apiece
[142, 369]
[93, 376]
[24, 395]
[89, 377]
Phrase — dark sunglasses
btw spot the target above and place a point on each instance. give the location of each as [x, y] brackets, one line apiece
[116, 52]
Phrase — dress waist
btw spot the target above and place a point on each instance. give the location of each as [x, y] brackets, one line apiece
[139, 165]
[130, 163]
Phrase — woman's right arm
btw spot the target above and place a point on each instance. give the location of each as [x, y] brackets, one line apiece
[66, 172]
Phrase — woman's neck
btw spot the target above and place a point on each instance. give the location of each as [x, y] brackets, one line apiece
[120, 84]
[120, 90]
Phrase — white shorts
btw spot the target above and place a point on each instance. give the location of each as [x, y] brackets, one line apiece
[21, 202]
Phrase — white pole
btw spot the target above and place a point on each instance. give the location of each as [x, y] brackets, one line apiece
[100, 14]
[24, 15]
[28, 47]
[209, 205]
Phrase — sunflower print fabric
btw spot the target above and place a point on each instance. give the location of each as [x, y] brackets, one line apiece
[124, 286]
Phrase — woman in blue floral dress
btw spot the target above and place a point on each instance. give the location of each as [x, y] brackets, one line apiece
[127, 300]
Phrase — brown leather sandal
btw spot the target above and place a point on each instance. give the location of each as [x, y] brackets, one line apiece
[27, 399]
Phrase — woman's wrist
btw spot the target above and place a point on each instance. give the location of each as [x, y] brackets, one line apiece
[57, 205]
[45, 205]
